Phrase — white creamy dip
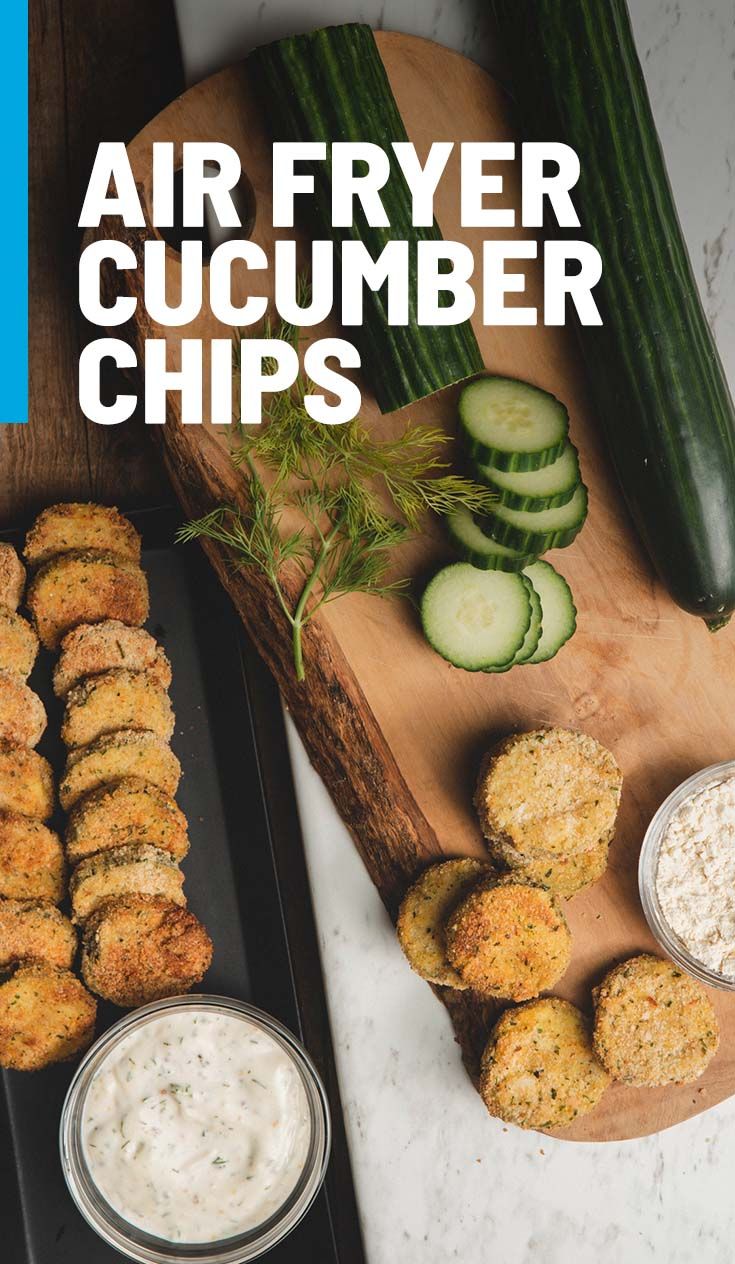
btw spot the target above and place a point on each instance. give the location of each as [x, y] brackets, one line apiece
[196, 1126]
[695, 879]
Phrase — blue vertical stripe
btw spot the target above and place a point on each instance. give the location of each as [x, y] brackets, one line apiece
[14, 213]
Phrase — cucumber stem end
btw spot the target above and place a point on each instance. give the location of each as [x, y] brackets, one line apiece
[714, 625]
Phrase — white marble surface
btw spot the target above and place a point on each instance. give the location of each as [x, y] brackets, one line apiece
[436, 1178]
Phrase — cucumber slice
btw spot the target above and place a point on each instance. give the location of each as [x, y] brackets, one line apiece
[532, 637]
[479, 550]
[510, 424]
[476, 619]
[559, 616]
[533, 490]
[536, 532]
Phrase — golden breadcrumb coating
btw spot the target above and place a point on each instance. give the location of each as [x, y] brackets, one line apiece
[653, 1024]
[46, 1015]
[67, 528]
[18, 643]
[424, 912]
[509, 938]
[26, 782]
[564, 875]
[539, 1069]
[93, 648]
[137, 869]
[550, 792]
[22, 714]
[142, 947]
[31, 860]
[128, 811]
[35, 930]
[85, 587]
[126, 753]
[12, 577]
[116, 700]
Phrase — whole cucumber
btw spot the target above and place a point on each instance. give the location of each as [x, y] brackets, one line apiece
[331, 85]
[654, 372]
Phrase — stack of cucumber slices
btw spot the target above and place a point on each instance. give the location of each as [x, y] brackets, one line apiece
[500, 606]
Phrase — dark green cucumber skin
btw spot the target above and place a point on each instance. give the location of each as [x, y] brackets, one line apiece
[481, 454]
[529, 504]
[505, 533]
[486, 561]
[516, 538]
[516, 661]
[504, 459]
[532, 504]
[536, 658]
[330, 85]
[655, 375]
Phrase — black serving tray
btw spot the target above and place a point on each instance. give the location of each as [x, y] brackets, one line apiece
[245, 878]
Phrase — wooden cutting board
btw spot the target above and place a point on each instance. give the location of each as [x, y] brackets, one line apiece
[396, 733]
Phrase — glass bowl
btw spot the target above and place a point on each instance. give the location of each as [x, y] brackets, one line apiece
[648, 870]
[135, 1242]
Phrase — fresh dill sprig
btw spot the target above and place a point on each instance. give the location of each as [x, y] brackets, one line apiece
[357, 497]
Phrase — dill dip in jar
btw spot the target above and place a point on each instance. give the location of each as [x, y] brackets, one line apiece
[195, 1125]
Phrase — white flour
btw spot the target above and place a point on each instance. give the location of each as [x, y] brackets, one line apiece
[696, 876]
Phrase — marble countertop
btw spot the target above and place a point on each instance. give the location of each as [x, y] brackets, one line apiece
[436, 1178]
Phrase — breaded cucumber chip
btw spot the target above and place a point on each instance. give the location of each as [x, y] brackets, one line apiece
[85, 587]
[509, 938]
[653, 1024]
[423, 914]
[550, 792]
[539, 1069]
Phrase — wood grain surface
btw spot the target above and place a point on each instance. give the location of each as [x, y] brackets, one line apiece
[89, 80]
[396, 733]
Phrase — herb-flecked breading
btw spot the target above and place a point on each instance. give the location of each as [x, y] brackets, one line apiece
[127, 753]
[66, 528]
[35, 930]
[12, 577]
[539, 1069]
[509, 938]
[128, 811]
[18, 644]
[85, 587]
[564, 875]
[550, 792]
[22, 714]
[26, 782]
[142, 947]
[653, 1024]
[137, 869]
[93, 648]
[116, 700]
[423, 914]
[46, 1016]
[31, 860]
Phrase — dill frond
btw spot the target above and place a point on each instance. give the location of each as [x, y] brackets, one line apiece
[358, 497]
